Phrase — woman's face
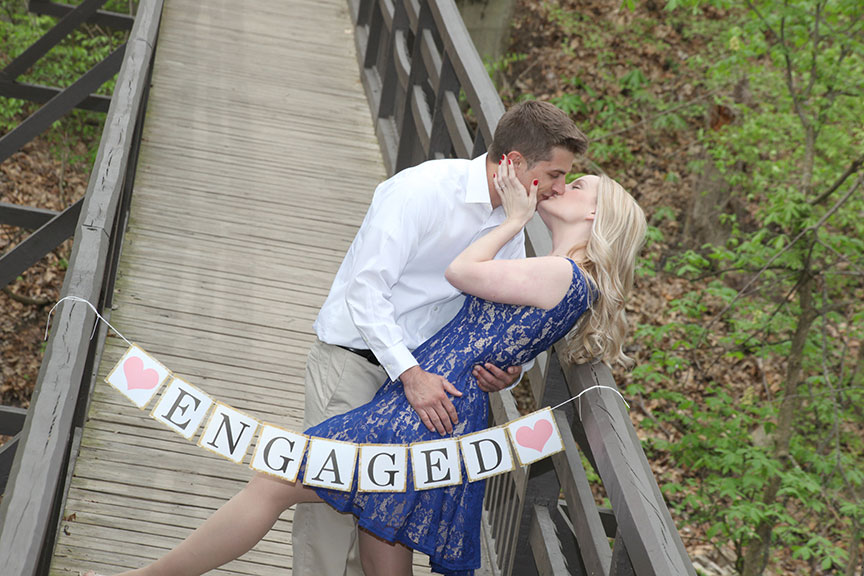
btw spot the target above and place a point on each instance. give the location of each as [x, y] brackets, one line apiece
[577, 204]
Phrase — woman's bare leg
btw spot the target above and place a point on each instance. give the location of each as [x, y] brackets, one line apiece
[382, 558]
[232, 530]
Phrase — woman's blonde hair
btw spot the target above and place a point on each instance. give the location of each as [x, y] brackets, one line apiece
[609, 261]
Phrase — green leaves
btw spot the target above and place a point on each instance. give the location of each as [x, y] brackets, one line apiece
[791, 83]
[60, 67]
[633, 80]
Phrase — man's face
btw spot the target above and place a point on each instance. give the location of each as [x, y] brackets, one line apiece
[550, 174]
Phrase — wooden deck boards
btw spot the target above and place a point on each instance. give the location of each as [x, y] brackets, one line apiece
[257, 163]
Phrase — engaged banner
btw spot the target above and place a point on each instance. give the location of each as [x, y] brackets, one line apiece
[329, 463]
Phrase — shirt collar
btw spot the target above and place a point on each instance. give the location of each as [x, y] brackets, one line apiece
[478, 186]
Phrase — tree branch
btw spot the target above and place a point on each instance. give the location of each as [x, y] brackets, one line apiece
[831, 95]
[25, 299]
[852, 169]
[733, 269]
[843, 258]
[815, 39]
[761, 334]
[765, 22]
[655, 116]
[790, 79]
[785, 249]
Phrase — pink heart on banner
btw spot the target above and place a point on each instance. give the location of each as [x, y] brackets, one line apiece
[137, 378]
[535, 437]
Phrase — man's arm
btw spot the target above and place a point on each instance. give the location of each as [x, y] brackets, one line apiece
[384, 244]
[386, 241]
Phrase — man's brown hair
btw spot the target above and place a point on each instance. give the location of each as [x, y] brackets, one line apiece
[533, 128]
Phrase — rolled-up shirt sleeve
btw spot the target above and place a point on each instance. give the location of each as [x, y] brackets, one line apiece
[383, 246]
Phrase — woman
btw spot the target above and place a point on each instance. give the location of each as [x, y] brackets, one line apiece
[516, 309]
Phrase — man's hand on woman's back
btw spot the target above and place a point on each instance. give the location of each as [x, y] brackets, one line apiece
[427, 393]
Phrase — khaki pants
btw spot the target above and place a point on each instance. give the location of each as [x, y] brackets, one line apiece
[324, 540]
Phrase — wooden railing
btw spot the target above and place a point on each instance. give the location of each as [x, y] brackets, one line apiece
[47, 444]
[413, 77]
[48, 228]
[431, 97]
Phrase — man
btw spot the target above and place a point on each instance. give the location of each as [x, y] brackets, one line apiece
[390, 295]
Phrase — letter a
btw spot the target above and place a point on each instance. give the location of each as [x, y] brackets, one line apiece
[330, 464]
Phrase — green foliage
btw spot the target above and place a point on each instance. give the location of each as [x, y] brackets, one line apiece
[60, 67]
[793, 139]
[794, 94]
[611, 115]
[493, 67]
[570, 22]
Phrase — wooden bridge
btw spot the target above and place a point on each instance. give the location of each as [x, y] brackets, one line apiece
[238, 159]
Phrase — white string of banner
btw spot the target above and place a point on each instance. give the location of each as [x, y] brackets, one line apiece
[95, 311]
[329, 463]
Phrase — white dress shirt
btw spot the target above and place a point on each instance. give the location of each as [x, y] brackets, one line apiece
[390, 293]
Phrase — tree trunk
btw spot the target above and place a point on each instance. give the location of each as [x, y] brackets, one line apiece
[488, 23]
[756, 551]
[711, 198]
[853, 552]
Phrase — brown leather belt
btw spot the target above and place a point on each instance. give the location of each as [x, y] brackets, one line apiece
[367, 354]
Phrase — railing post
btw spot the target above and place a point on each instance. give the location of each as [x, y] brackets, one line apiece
[448, 85]
[390, 82]
[413, 133]
[645, 525]
[26, 59]
[62, 103]
[34, 247]
[621, 565]
[364, 10]
[543, 487]
[502, 502]
[101, 18]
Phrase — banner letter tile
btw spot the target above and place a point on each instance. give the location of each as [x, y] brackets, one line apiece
[228, 433]
[182, 407]
[330, 464]
[383, 468]
[436, 464]
[279, 452]
[138, 376]
[535, 436]
[486, 453]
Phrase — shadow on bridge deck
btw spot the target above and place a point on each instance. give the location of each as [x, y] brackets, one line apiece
[257, 163]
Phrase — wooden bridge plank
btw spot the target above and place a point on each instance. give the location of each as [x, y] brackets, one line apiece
[188, 514]
[254, 172]
[202, 373]
[303, 214]
[271, 225]
[155, 273]
[166, 523]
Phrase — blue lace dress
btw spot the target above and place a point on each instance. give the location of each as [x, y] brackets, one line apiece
[445, 522]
